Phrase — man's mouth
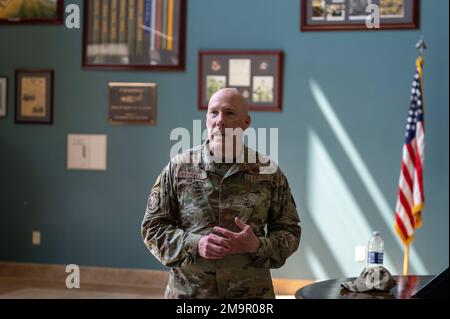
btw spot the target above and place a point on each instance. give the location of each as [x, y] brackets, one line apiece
[219, 134]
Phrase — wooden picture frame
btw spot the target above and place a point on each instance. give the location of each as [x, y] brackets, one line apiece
[258, 75]
[3, 96]
[34, 96]
[140, 35]
[347, 15]
[132, 103]
[26, 12]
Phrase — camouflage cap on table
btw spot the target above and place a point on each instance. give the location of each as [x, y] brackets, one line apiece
[377, 278]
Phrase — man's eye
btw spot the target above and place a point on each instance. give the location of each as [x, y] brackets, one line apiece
[230, 113]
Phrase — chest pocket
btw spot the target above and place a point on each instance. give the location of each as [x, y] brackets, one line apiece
[253, 202]
[191, 181]
[193, 200]
[259, 183]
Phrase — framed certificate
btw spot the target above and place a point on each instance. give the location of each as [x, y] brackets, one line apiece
[132, 103]
[256, 74]
[134, 34]
[31, 11]
[34, 96]
[341, 15]
[3, 95]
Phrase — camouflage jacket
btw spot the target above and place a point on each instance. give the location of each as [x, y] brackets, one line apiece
[191, 196]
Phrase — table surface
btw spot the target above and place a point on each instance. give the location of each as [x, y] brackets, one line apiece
[331, 289]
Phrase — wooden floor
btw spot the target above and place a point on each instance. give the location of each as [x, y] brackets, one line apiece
[25, 289]
[43, 281]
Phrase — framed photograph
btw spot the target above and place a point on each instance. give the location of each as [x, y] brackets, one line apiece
[256, 74]
[134, 34]
[31, 11]
[132, 103]
[34, 96]
[3, 95]
[341, 15]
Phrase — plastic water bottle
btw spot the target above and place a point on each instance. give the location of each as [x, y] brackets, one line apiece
[375, 250]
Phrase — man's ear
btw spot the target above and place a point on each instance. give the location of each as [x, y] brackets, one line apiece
[248, 120]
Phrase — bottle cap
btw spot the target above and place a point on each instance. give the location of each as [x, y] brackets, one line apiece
[376, 233]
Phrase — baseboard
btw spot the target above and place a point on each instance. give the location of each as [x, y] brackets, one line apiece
[115, 276]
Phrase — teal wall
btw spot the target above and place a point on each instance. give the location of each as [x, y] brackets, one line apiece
[342, 157]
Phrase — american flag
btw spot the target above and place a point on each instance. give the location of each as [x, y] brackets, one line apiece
[410, 200]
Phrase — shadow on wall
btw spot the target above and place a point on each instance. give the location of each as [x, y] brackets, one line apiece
[335, 219]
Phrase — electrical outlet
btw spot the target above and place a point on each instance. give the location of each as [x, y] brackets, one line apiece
[36, 238]
[360, 254]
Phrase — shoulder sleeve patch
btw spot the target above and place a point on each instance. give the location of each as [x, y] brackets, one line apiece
[153, 200]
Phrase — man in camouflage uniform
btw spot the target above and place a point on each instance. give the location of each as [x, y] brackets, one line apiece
[221, 226]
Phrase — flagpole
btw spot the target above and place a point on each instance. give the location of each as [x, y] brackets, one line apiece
[421, 46]
[406, 261]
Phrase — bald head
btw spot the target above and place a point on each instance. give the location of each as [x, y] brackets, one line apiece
[232, 96]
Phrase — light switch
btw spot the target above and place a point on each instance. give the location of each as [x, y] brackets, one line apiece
[86, 151]
[36, 238]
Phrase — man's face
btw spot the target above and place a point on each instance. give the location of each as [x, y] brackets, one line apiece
[225, 110]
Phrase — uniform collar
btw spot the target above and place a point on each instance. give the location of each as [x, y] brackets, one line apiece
[207, 160]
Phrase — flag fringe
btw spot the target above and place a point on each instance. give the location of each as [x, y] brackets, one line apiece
[406, 241]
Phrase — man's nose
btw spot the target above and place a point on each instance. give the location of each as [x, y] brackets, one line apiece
[220, 121]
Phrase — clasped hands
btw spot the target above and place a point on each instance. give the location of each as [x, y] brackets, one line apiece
[213, 246]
